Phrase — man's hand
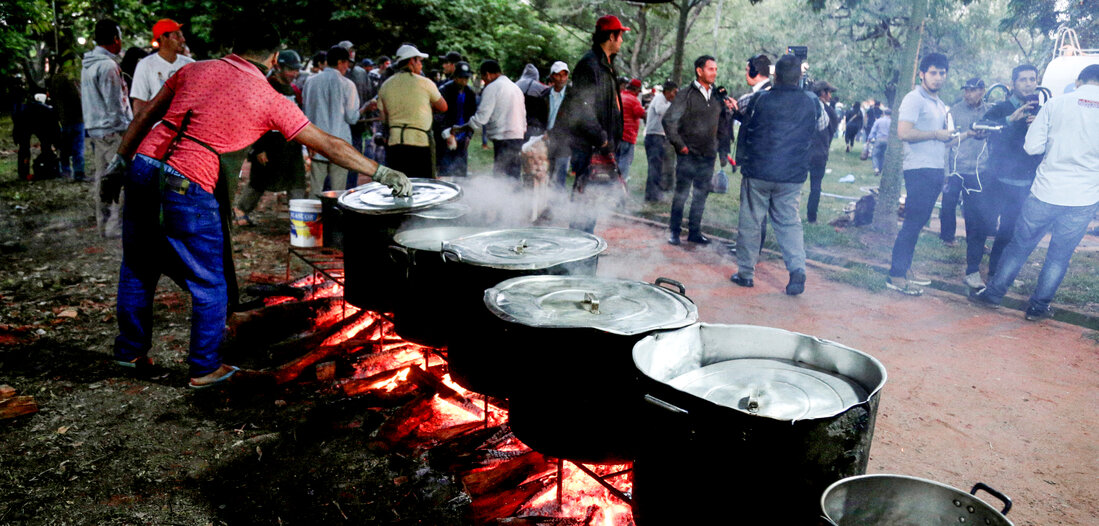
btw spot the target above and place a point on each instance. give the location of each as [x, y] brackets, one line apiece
[944, 135]
[1022, 112]
[730, 103]
[261, 158]
[110, 186]
[398, 181]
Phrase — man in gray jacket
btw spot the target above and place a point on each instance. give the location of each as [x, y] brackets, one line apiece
[106, 115]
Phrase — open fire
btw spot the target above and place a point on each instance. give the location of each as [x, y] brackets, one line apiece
[509, 483]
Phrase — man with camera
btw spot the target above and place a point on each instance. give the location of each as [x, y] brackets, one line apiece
[1062, 200]
[967, 182]
[1011, 167]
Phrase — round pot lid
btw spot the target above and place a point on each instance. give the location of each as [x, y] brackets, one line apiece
[774, 388]
[432, 238]
[617, 306]
[525, 248]
[378, 199]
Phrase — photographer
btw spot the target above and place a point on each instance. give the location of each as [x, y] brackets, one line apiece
[1011, 168]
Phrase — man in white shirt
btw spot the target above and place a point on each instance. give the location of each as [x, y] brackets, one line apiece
[559, 81]
[655, 141]
[1063, 198]
[503, 115]
[153, 71]
[332, 104]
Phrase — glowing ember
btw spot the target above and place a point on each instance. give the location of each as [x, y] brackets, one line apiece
[392, 383]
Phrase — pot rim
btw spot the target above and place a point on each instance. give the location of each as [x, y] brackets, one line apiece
[940, 485]
[453, 253]
[341, 201]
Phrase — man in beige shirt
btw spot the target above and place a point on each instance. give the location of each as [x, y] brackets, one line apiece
[406, 101]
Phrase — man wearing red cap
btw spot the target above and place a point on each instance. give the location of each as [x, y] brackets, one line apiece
[632, 113]
[592, 111]
[153, 71]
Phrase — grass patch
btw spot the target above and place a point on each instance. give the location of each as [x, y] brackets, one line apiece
[861, 276]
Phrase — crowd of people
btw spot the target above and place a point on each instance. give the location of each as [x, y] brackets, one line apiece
[165, 130]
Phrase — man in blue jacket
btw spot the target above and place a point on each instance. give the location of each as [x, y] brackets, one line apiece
[773, 154]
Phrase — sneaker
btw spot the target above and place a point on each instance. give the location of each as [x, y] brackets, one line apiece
[742, 281]
[903, 286]
[981, 298]
[1035, 313]
[797, 283]
[974, 281]
[915, 279]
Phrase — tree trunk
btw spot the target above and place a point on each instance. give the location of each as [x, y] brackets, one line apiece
[680, 38]
[885, 211]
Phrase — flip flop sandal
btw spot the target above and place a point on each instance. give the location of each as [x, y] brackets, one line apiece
[143, 367]
[221, 379]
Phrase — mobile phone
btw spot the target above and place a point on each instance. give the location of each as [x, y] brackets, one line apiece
[801, 52]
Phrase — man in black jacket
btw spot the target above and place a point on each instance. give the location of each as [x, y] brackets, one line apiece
[691, 125]
[822, 141]
[773, 155]
[461, 104]
[592, 112]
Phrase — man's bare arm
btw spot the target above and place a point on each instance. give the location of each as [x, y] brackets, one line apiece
[336, 150]
[149, 114]
[907, 132]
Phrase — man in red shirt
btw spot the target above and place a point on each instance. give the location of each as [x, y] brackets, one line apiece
[632, 113]
[173, 219]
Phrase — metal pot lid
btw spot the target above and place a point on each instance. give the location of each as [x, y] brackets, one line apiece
[617, 306]
[525, 248]
[445, 211]
[774, 388]
[378, 199]
[432, 238]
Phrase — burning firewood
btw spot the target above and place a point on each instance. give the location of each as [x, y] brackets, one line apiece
[507, 502]
[277, 322]
[12, 406]
[539, 521]
[403, 422]
[506, 474]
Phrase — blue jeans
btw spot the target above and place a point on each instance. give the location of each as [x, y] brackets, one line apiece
[624, 157]
[72, 150]
[561, 170]
[877, 155]
[691, 171]
[1068, 225]
[654, 152]
[979, 211]
[948, 214]
[816, 177]
[506, 160]
[1009, 201]
[187, 247]
[922, 186]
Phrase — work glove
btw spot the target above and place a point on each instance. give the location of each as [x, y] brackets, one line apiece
[110, 185]
[398, 181]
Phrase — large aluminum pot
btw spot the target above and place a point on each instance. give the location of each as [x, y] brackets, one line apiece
[371, 215]
[898, 500]
[746, 421]
[424, 303]
[561, 350]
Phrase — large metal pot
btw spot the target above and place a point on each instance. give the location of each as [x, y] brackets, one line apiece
[371, 216]
[746, 421]
[477, 262]
[332, 219]
[561, 351]
[898, 500]
[423, 305]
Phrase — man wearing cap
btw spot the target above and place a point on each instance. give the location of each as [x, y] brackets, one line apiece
[593, 110]
[559, 153]
[461, 104]
[107, 113]
[632, 113]
[821, 142]
[963, 181]
[277, 164]
[502, 114]
[153, 71]
[406, 101]
[655, 141]
[450, 64]
[174, 216]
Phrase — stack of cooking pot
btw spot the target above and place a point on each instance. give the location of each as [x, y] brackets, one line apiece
[370, 216]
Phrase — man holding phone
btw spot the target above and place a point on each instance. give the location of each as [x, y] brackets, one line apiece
[1011, 168]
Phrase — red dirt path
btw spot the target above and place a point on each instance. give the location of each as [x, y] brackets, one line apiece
[972, 396]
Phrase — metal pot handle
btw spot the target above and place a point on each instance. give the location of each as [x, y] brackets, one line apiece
[399, 254]
[828, 520]
[665, 405]
[1003, 498]
[449, 254]
[668, 281]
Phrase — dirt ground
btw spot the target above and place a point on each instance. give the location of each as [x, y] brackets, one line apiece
[973, 396]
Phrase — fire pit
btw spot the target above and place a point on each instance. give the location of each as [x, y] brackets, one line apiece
[772, 416]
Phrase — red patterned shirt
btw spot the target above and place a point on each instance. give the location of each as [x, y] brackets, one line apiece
[233, 105]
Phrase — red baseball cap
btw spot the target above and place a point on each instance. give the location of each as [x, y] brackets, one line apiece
[635, 83]
[165, 25]
[609, 23]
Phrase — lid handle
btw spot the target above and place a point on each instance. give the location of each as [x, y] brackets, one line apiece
[521, 247]
[591, 302]
[672, 282]
[448, 253]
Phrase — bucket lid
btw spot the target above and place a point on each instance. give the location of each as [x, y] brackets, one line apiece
[305, 203]
[525, 248]
[378, 199]
[617, 306]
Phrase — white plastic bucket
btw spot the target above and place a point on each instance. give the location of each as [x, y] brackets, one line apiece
[306, 229]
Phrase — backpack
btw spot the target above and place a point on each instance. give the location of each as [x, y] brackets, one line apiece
[864, 210]
[46, 166]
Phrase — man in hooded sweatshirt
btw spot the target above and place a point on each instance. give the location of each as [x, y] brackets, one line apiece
[535, 100]
[107, 114]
